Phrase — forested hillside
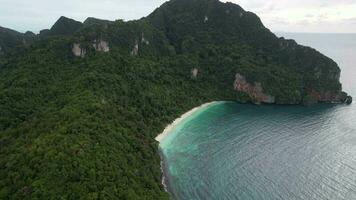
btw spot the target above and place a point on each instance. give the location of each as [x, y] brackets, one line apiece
[81, 104]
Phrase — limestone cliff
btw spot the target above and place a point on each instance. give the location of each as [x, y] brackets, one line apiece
[135, 49]
[271, 69]
[101, 45]
[218, 38]
[78, 51]
[314, 97]
[254, 91]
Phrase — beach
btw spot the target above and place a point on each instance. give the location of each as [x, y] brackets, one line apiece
[166, 132]
[177, 121]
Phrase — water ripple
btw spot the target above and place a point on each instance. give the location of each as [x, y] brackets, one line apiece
[234, 151]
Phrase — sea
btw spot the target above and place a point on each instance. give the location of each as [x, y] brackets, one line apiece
[237, 151]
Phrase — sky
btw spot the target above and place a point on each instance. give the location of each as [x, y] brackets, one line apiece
[321, 16]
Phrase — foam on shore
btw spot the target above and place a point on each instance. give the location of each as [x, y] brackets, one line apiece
[169, 131]
[169, 128]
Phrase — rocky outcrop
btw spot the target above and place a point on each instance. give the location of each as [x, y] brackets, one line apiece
[195, 72]
[135, 49]
[144, 40]
[101, 45]
[78, 51]
[314, 97]
[348, 100]
[254, 91]
[206, 19]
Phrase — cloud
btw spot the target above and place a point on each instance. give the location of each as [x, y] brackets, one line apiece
[278, 15]
[35, 15]
[304, 15]
[350, 21]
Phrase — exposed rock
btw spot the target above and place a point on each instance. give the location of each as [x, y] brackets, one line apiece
[254, 91]
[101, 45]
[206, 19]
[143, 39]
[78, 51]
[310, 99]
[331, 97]
[348, 100]
[314, 97]
[134, 51]
[195, 72]
[1, 50]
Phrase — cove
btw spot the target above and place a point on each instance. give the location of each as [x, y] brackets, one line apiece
[236, 151]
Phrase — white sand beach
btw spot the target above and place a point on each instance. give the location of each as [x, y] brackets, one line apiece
[171, 126]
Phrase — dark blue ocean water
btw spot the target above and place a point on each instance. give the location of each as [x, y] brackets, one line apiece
[236, 151]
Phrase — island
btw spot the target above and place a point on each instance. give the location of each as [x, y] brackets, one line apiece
[82, 102]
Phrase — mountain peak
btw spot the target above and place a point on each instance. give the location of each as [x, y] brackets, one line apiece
[65, 26]
[95, 21]
[186, 18]
[202, 5]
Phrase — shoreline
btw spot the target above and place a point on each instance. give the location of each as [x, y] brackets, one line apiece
[166, 132]
[164, 179]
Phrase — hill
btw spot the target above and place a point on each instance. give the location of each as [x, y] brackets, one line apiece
[10, 39]
[80, 106]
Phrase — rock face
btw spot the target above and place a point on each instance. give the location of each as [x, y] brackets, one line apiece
[78, 51]
[294, 69]
[195, 72]
[254, 91]
[144, 40]
[314, 97]
[101, 45]
[206, 19]
[134, 51]
[348, 100]
[317, 77]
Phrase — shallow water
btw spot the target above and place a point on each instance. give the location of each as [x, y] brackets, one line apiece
[236, 151]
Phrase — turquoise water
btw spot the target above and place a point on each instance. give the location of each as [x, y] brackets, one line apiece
[236, 151]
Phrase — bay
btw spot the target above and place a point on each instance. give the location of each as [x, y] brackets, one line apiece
[237, 151]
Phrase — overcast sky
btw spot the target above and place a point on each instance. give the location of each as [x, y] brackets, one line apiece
[278, 15]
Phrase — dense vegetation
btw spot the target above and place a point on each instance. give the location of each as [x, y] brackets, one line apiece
[84, 128]
[10, 39]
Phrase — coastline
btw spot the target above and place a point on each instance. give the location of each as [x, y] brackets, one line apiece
[164, 170]
[170, 127]
[166, 133]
